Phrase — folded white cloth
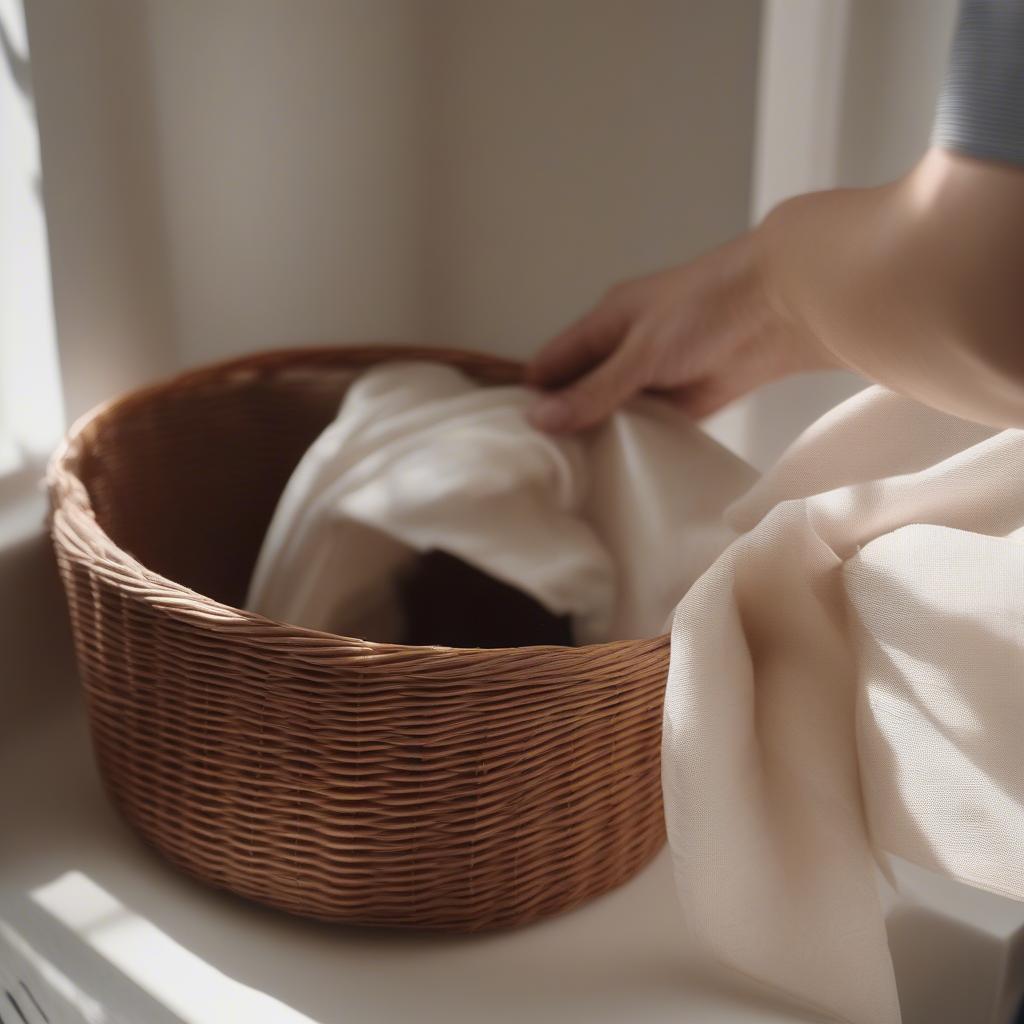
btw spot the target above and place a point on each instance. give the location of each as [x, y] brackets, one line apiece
[848, 679]
[420, 457]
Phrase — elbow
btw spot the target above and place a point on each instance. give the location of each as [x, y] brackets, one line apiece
[988, 332]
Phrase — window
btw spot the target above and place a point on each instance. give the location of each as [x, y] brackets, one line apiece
[31, 416]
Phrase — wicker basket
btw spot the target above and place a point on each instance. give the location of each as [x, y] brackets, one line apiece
[329, 776]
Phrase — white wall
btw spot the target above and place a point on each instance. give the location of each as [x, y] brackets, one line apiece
[895, 56]
[575, 142]
[223, 175]
[470, 172]
[290, 164]
[33, 632]
[114, 308]
[231, 174]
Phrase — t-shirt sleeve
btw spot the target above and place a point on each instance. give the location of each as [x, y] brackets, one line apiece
[981, 106]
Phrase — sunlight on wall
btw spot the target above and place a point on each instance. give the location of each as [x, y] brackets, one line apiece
[31, 417]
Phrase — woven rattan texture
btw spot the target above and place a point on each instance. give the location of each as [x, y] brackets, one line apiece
[328, 776]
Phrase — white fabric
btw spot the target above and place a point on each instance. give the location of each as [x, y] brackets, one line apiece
[421, 457]
[847, 679]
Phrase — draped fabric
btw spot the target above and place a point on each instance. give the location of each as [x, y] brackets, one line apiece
[846, 680]
[609, 528]
[847, 664]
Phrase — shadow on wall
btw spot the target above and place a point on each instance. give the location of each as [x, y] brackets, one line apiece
[35, 638]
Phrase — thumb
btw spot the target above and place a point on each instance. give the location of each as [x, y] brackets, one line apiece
[592, 398]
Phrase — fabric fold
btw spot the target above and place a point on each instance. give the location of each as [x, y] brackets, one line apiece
[847, 665]
[422, 458]
[845, 681]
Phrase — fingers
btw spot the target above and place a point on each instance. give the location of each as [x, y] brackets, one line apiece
[594, 397]
[705, 397]
[578, 348]
[589, 365]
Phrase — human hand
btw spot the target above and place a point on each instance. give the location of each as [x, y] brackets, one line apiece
[915, 284]
[703, 333]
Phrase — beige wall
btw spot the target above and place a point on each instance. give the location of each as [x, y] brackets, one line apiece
[290, 164]
[223, 175]
[575, 142]
[112, 297]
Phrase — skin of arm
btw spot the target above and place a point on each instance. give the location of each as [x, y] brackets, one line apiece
[917, 284]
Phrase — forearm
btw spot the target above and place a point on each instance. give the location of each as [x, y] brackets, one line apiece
[918, 285]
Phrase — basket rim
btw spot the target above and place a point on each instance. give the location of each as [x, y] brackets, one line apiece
[73, 519]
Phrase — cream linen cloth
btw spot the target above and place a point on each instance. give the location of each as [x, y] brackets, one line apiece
[848, 679]
[610, 528]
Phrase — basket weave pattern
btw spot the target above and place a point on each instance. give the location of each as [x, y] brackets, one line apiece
[329, 776]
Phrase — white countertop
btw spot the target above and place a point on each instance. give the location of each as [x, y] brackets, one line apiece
[623, 957]
[959, 953]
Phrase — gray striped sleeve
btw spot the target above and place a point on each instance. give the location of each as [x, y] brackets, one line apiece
[981, 107]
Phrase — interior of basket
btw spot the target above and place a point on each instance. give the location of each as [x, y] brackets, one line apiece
[186, 479]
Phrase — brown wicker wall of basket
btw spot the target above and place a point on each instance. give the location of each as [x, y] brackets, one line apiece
[328, 776]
